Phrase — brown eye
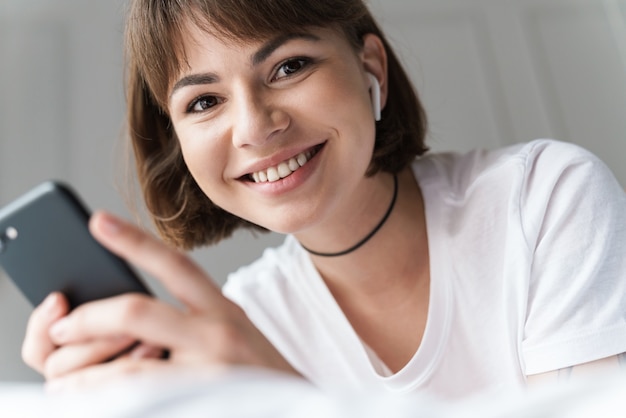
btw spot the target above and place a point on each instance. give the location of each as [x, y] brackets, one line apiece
[202, 103]
[291, 67]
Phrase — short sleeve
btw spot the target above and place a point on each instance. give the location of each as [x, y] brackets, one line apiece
[574, 219]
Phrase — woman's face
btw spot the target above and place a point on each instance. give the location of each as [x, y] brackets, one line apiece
[278, 132]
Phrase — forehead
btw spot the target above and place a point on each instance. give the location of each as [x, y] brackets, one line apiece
[196, 37]
[155, 33]
[207, 57]
[249, 21]
[195, 41]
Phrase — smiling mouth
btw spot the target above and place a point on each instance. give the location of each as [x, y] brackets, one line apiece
[283, 169]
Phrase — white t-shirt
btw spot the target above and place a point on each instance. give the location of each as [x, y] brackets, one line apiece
[528, 274]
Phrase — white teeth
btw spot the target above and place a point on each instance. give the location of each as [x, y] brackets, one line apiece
[283, 169]
[293, 164]
[301, 159]
[272, 174]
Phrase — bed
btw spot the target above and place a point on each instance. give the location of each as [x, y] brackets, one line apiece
[251, 393]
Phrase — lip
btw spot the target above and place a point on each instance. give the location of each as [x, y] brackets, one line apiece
[276, 159]
[290, 182]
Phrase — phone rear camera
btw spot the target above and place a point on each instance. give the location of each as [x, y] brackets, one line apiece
[11, 233]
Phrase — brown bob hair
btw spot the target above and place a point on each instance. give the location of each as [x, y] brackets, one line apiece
[183, 214]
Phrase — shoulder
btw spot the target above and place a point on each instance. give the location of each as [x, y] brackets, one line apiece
[477, 161]
[562, 159]
[269, 273]
[525, 164]
[565, 175]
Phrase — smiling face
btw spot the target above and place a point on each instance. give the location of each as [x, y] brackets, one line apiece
[278, 132]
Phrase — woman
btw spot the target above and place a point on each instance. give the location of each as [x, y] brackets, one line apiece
[449, 273]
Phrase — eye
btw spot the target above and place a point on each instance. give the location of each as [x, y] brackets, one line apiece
[291, 67]
[203, 103]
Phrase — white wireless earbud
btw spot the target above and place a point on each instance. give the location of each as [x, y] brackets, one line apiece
[375, 95]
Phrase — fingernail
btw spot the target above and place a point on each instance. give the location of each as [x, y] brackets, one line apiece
[58, 329]
[110, 224]
[50, 302]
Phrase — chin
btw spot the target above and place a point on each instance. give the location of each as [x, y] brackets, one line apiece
[285, 224]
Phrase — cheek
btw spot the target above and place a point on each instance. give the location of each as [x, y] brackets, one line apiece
[349, 108]
[346, 98]
[204, 156]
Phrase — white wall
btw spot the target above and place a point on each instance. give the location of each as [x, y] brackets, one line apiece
[491, 73]
[495, 72]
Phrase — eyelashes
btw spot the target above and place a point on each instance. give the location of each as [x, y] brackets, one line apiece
[203, 103]
[290, 67]
[285, 70]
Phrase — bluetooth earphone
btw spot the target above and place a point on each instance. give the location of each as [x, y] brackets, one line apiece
[375, 95]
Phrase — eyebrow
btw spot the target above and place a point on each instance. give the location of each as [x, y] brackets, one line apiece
[257, 58]
[273, 44]
[193, 80]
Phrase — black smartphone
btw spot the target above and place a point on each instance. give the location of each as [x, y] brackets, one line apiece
[46, 246]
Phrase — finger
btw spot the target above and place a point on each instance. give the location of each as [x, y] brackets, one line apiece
[37, 343]
[70, 358]
[145, 351]
[103, 374]
[140, 317]
[184, 279]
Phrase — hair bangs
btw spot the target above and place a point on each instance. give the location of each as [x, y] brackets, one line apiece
[157, 28]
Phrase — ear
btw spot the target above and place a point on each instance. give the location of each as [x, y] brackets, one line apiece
[374, 59]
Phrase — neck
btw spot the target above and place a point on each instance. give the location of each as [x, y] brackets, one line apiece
[367, 237]
[393, 258]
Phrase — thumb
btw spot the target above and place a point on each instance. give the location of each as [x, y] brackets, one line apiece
[182, 278]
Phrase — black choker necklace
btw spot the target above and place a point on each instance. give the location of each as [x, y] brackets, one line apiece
[368, 236]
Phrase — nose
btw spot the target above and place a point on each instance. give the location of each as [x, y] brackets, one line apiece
[257, 118]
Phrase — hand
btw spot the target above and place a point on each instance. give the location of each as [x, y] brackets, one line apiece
[209, 330]
[38, 346]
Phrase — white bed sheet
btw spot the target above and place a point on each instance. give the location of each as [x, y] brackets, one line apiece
[245, 393]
